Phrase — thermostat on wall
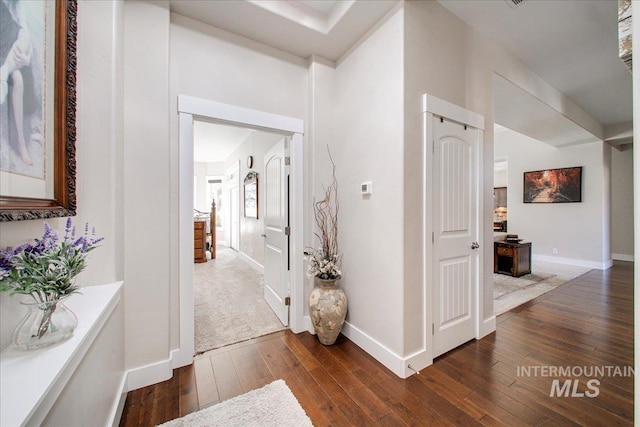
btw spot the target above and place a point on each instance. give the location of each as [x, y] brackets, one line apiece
[366, 188]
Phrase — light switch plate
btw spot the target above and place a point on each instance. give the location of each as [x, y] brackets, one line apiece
[366, 188]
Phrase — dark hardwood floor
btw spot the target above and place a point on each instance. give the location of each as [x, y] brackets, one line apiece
[587, 322]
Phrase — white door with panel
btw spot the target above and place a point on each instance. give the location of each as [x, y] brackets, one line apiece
[456, 258]
[276, 234]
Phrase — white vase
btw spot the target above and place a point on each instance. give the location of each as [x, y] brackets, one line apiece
[328, 309]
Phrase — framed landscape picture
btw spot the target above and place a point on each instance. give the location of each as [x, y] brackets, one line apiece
[553, 186]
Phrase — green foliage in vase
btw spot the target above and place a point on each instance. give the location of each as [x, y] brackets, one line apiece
[45, 270]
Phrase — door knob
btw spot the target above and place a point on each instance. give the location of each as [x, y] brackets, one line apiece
[264, 235]
[475, 245]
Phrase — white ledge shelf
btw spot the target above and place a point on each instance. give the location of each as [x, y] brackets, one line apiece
[31, 381]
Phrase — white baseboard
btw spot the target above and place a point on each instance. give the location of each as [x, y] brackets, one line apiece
[156, 372]
[118, 405]
[149, 374]
[397, 364]
[418, 361]
[252, 262]
[623, 257]
[486, 327]
[570, 261]
[180, 358]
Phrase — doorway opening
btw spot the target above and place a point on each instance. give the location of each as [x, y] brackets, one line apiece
[528, 259]
[289, 129]
[230, 302]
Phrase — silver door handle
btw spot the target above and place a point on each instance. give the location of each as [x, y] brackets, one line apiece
[475, 245]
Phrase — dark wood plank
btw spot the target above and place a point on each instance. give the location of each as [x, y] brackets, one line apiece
[251, 368]
[188, 390]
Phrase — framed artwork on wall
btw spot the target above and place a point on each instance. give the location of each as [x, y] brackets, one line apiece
[553, 186]
[38, 109]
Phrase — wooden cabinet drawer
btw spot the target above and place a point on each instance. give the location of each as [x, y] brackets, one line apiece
[199, 241]
[503, 251]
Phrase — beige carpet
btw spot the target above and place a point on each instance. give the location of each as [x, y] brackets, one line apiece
[510, 292]
[229, 303]
[273, 405]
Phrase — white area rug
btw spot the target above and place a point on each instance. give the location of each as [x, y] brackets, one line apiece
[270, 406]
[510, 292]
[229, 302]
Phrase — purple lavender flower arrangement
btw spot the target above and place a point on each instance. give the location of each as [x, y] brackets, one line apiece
[46, 268]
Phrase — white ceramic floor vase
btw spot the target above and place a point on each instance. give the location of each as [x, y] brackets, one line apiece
[328, 309]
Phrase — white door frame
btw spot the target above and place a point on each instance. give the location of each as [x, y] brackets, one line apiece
[435, 106]
[188, 108]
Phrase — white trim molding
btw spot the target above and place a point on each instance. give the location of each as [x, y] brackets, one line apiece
[397, 364]
[255, 265]
[118, 405]
[598, 265]
[486, 327]
[376, 349]
[623, 257]
[238, 115]
[190, 108]
[442, 108]
[149, 374]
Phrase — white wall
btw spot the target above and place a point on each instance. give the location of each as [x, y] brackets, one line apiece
[146, 191]
[257, 144]
[500, 178]
[89, 397]
[99, 188]
[202, 170]
[555, 225]
[368, 147]
[622, 203]
[210, 63]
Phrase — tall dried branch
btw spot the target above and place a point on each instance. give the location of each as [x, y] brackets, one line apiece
[326, 216]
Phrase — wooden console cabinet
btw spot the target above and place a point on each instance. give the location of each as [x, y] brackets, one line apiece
[513, 259]
[200, 241]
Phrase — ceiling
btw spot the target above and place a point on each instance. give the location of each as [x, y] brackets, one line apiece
[214, 143]
[571, 44]
[303, 28]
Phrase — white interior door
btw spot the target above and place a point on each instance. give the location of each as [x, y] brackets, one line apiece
[276, 217]
[455, 233]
